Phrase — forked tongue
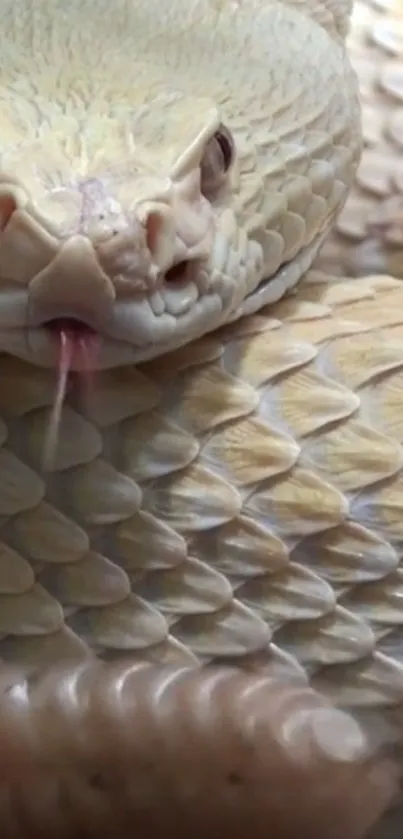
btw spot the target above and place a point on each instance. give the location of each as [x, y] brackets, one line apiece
[78, 349]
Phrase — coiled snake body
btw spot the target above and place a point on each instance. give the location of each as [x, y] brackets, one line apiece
[237, 496]
[368, 236]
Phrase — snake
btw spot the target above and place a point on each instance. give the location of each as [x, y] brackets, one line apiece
[225, 481]
[367, 236]
[155, 201]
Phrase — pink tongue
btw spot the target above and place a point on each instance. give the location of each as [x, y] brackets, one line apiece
[78, 347]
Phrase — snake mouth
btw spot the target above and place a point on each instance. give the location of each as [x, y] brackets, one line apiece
[76, 341]
[77, 329]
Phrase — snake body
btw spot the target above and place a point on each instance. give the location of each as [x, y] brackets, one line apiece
[235, 497]
[162, 751]
[239, 500]
[368, 235]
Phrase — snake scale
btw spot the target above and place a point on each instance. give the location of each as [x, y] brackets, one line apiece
[227, 484]
[368, 235]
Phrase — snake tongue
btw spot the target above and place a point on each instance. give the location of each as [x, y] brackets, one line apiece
[78, 345]
[78, 349]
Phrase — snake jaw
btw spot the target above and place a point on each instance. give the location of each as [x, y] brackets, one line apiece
[180, 269]
[135, 317]
[172, 274]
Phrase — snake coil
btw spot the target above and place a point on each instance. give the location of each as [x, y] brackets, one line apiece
[145, 750]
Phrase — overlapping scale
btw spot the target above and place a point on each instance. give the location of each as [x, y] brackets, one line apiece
[368, 238]
[245, 505]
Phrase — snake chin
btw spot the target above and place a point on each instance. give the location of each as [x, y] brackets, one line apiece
[193, 297]
[139, 327]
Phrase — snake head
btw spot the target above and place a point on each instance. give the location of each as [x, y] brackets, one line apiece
[164, 174]
[143, 254]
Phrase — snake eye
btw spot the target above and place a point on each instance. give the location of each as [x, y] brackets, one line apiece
[217, 159]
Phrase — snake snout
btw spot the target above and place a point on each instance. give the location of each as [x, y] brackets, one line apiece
[73, 286]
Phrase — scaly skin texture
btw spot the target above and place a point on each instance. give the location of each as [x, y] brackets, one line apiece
[140, 750]
[238, 500]
[368, 236]
[105, 122]
[232, 500]
[235, 500]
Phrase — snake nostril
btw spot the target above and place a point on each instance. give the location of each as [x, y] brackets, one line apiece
[178, 273]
